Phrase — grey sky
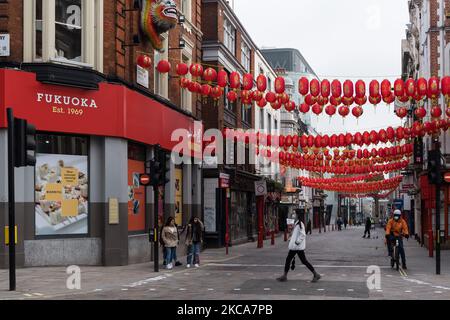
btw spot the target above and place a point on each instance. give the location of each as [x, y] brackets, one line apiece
[339, 38]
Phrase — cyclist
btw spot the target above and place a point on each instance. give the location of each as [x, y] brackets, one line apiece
[397, 228]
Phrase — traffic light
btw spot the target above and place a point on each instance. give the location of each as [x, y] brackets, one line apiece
[164, 159]
[155, 173]
[25, 143]
[434, 167]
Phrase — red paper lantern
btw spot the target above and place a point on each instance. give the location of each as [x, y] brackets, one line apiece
[271, 97]
[261, 83]
[322, 100]
[361, 101]
[374, 89]
[247, 82]
[358, 138]
[262, 103]
[403, 98]
[422, 87]
[235, 80]
[360, 89]
[374, 137]
[310, 100]
[290, 106]
[436, 112]
[447, 112]
[195, 87]
[389, 99]
[303, 86]
[344, 111]
[433, 88]
[314, 87]
[317, 109]
[196, 70]
[402, 112]
[216, 92]
[357, 112]
[336, 89]
[375, 100]
[330, 110]
[144, 61]
[210, 75]
[257, 96]
[246, 97]
[410, 88]
[163, 66]
[184, 83]
[420, 112]
[276, 105]
[386, 89]
[348, 101]
[445, 86]
[280, 85]
[304, 108]
[348, 139]
[348, 89]
[335, 101]
[325, 88]
[399, 88]
[232, 96]
[222, 78]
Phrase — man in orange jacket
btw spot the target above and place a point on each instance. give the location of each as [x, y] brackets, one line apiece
[397, 227]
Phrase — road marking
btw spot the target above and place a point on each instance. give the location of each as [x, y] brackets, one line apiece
[293, 289]
[438, 292]
[38, 294]
[379, 290]
[152, 289]
[237, 289]
[408, 291]
[210, 289]
[124, 289]
[279, 266]
[97, 290]
[350, 290]
[27, 295]
[266, 289]
[182, 289]
[320, 289]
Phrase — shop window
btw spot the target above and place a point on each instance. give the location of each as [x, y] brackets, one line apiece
[136, 192]
[64, 31]
[61, 185]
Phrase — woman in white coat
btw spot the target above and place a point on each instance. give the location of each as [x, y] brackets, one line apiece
[297, 246]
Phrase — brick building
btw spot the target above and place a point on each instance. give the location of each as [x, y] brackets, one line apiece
[227, 46]
[426, 53]
[69, 67]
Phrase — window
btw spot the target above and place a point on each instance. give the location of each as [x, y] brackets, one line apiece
[246, 56]
[67, 31]
[261, 119]
[229, 36]
[186, 9]
[161, 84]
[186, 95]
[61, 185]
[269, 124]
[228, 105]
[246, 114]
[269, 84]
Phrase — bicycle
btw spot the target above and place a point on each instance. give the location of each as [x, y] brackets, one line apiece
[395, 257]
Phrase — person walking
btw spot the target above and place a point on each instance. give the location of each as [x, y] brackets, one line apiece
[368, 227]
[339, 223]
[297, 246]
[345, 223]
[170, 238]
[194, 239]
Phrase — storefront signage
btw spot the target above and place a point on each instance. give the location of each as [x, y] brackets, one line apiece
[145, 179]
[113, 211]
[142, 76]
[69, 176]
[224, 181]
[111, 111]
[53, 192]
[447, 177]
[4, 45]
[260, 188]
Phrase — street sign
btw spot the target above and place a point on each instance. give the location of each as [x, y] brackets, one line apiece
[224, 181]
[144, 179]
[260, 188]
[447, 177]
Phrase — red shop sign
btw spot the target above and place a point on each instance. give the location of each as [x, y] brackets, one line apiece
[112, 111]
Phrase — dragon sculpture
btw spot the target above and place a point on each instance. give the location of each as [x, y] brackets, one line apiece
[157, 17]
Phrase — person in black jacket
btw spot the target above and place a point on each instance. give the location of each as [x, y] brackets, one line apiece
[368, 227]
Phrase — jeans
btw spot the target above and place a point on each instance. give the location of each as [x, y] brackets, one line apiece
[367, 231]
[301, 255]
[170, 254]
[400, 247]
[194, 250]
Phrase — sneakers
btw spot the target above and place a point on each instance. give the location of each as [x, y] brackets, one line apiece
[197, 265]
[188, 266]
[283, 278]
[169, 266]
[316, 277]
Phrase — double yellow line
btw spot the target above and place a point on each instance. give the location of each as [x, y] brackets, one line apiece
[402, 272]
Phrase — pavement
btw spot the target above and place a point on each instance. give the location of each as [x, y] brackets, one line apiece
[345, 261]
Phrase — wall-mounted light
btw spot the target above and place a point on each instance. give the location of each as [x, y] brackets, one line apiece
[181, 19]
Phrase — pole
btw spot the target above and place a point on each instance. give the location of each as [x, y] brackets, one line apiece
[156, 227]
[227, 222]
[11, 203]
[438, 210]
[260, 204]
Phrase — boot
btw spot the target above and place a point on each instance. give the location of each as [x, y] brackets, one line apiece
[283, 278]
[316, 277]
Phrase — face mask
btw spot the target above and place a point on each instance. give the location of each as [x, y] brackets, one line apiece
[396, 218]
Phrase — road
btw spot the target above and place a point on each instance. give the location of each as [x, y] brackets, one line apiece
[342, 258]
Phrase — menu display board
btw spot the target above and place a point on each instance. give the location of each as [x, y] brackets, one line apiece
[61, 194]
